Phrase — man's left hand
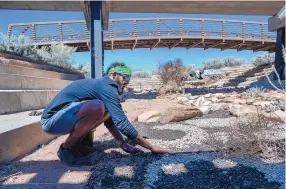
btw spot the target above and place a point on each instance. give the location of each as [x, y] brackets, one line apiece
[130, 149]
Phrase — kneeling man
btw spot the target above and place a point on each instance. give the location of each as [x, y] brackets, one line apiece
[84, 105]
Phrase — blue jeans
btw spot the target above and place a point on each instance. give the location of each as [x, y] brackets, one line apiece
[63, 121]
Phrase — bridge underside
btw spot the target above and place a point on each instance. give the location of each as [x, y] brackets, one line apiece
[187, 43]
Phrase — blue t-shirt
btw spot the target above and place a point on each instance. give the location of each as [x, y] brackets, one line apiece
[103, 89]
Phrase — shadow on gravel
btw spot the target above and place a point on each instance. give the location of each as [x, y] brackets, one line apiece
[117, 169]
[148, 171]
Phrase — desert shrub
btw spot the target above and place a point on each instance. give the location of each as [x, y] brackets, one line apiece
[263, 60]
[255, 91]
[221, 63]
[172, 74]
[56, 54]
[141, 74]
[253, 136]
[173, 71]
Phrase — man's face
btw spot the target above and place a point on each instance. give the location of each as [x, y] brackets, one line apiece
[122, 81]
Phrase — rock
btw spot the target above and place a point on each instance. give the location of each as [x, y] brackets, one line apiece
[177, 114]
[277, 116]
[193, 97]
[205, 109]
[200, 101]
[242, 110]
[220, 95]
[214, 99]
[219, 106]
[35, 113]
[182, 100]
[207, 95]
[191, 102]
[150, 116]
[235, 100]
[250, 101]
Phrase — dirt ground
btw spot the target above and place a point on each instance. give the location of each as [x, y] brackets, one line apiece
[194, 164]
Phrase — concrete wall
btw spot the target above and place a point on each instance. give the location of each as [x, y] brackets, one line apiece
[20, 141]
[23, 87]
[18, 101]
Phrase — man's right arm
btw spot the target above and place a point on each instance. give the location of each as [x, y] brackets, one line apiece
[118, 117]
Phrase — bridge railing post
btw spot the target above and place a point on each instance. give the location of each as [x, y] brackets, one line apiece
[110, 30]
[158, 28]
[61, 31]
[134, 33]
[243, 31]
[203, 29]
[34, 33]
[181, 27]
[223, 29]
[262, 33]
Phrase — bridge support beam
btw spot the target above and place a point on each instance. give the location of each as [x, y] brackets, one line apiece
[279, 60]
[277, 23]
[96, 39]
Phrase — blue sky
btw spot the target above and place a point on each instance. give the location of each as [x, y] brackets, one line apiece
[145, 59]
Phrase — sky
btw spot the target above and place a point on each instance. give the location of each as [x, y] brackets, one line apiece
[144, 59]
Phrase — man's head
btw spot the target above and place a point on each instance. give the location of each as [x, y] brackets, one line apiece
[120, 73]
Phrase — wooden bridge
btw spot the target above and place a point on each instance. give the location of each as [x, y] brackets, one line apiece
[154, 33]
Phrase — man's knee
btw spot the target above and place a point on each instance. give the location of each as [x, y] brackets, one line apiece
[93, 107]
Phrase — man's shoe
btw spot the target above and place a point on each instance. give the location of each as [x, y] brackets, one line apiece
[66, 155]
[81, 149]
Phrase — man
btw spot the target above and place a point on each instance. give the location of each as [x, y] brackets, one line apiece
[84, 105]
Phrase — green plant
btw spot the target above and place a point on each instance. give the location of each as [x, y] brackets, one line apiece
[56, 54]
[255, 91]
[221, 63]
[263, 60]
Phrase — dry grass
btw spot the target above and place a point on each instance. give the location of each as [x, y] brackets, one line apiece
[254, 137]
[172, 74]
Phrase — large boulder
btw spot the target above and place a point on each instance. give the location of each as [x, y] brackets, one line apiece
[180, 113]
[150, 116]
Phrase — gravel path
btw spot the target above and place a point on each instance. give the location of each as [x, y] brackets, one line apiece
[195, 164]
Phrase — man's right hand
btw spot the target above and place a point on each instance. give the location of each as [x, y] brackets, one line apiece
[159, 150]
